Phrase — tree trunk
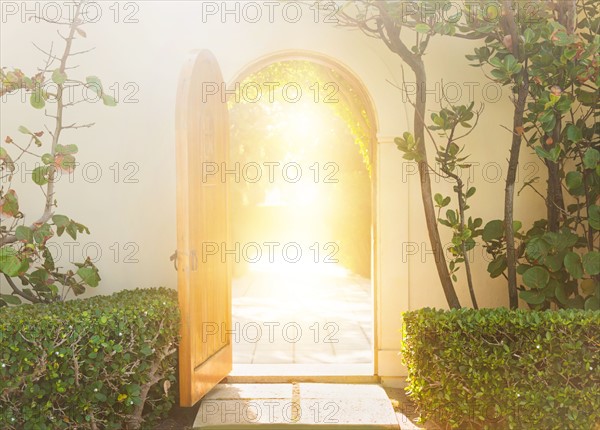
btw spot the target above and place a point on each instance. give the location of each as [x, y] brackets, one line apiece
[427, 197]
[554, 197]
[389, 32]
[509, 190]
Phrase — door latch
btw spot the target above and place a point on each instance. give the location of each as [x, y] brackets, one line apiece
[173, 258]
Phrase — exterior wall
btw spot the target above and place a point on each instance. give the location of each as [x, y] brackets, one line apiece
[139, 217]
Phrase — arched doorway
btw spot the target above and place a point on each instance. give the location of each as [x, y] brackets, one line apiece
[304, 113]
[203, 235]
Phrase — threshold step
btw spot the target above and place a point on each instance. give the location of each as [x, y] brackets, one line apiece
[297, 405]
[286, 379]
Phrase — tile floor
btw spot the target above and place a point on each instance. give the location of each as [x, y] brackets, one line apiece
[299, 315]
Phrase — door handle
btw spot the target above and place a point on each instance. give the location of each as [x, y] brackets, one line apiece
[193, 260]
[173, 258]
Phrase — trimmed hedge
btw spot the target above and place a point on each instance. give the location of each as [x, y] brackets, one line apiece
[107, 362]
[503, 369]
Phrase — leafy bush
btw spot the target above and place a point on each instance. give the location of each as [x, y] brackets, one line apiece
[504, 369]
[107, 362]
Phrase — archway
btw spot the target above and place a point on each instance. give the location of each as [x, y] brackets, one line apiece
[295, 94]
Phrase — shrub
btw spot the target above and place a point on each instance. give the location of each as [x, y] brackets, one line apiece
[504, 369]
[107, 362]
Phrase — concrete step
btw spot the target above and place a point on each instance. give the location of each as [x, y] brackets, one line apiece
[298, 405]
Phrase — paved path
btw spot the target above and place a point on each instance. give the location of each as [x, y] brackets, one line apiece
[299, 316]
[345, 406]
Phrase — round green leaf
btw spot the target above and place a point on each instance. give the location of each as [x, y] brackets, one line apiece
[108, 100]
[94, 83]
[10, 206]
[47, 159]
[554, 262]
[497, 266]
[493, 230]
[61, 220]
[422, 28]
[588, 287]
[592, 304]
[42, 233]
[573, 265]
[533, 297]
[574, 180]
[591, 263]
[10, 299]
[66, 149]
[89, 276]
[59, 77]
[39, 175]
[10, 265]
[24, 233]
[550, 290]
[37, 100]
[537, 248]
[574, 133]
[594, 216]
[561, 294]
[451, 216]
[536, 277]
[591, 158]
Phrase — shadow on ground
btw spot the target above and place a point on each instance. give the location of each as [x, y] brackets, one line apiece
[179, 419]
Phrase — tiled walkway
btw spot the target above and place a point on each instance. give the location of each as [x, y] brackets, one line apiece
[310, 406]
[302, 315]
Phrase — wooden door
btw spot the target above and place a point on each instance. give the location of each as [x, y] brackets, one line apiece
[204, 281]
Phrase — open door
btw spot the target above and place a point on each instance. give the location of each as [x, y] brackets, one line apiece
[204, 281]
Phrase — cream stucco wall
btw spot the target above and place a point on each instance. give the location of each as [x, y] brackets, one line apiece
[139, 216]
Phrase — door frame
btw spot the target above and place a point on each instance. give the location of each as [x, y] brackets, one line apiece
[357, 84]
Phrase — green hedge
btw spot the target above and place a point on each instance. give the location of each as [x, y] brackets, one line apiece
[107, 362]
[503, 369]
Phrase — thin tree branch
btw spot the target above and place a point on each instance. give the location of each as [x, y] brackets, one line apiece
[20, 293]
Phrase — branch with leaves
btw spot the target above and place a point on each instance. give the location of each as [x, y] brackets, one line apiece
[386, 21]
[26, 262]
[550, 62]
